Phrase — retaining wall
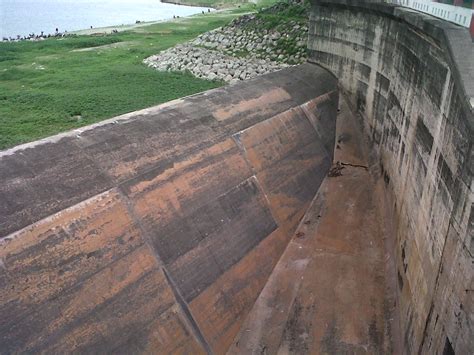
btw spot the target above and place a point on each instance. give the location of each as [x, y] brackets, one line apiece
[411, 78]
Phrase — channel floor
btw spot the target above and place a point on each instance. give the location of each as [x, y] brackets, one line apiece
[329, 292]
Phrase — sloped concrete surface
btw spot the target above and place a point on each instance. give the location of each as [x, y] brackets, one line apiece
[156, 231]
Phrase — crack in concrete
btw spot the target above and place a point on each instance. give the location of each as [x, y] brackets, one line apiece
[355, 165]
[336, 169]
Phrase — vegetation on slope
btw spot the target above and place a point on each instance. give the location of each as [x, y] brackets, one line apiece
[59, 84]
[216, 4]
[220, 4]
[55, 85]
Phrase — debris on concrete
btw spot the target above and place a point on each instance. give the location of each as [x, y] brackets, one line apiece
[336, 170]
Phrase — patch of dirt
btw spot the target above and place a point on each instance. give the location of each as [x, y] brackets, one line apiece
[105, 46]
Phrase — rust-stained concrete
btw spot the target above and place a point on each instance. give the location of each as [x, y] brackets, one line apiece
[329, 292]
[156, 231]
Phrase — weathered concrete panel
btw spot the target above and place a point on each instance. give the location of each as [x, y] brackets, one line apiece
[81, 280]
[286, 145]
[220, 322]
[408, 76]
[172, 202]
[53, 176]
[133, 234]
[327, 293]
[52, 255]
[246, 221]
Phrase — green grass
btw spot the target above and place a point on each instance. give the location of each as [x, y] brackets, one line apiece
[271, 20]
[51, 86]
[217, 4]
[220, 4]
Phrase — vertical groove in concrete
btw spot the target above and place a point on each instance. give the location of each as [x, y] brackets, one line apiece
[190, 322]
[187, 312]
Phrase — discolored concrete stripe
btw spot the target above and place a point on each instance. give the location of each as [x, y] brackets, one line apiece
[289, 161]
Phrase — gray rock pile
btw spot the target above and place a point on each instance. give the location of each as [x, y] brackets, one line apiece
[247, 47]
[211, 64]
[287, 46]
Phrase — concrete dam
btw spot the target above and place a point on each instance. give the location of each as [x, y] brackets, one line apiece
[325, 208]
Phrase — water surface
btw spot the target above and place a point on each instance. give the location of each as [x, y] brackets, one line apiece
[21, 17]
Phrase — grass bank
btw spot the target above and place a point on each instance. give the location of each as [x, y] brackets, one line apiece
[221, 4]
[55, 85]
[216, 4]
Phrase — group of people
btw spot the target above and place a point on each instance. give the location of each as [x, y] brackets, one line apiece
[35, 37]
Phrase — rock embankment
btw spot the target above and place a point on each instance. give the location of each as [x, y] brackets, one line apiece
[249, 46]
[243, 38]
[211, 64]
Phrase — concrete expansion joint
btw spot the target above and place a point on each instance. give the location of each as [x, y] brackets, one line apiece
[191, 323]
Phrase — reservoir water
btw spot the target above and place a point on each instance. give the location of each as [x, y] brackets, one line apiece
[21, 17]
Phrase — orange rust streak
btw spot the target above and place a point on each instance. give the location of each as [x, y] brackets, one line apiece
[270, 141]
[219, 321]
[109, 282]
[263, 102]
[167, 199]
[179, 166]
[101, 224]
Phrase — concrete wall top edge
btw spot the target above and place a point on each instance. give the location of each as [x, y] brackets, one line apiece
[456, 40]
[44, 177]
[303, 74]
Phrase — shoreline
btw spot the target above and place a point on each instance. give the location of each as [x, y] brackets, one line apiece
[108, 29]
[177, 2]
[126, 27]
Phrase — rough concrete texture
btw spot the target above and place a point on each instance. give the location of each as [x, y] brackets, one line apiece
[157, 230]
[329, 293]
[411, 77]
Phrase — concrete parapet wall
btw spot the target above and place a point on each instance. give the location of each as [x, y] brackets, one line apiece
[411, 77]
[156, 231]
[459, 15]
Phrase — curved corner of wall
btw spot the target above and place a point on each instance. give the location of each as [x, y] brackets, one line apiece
[411, 77]
[156, 231]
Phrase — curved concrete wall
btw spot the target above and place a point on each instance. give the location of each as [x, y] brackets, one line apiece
[156, 231]
[411, 77]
